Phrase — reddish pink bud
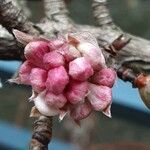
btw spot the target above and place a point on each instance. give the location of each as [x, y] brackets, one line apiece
[53, 59]
[58, 101]
[105, 77]
[57, 80]
[80, 69]
[100, 97]
[77, 92]
[69, 52]
[34, 52]
[24, 72]
[38, 78]
[81, 111]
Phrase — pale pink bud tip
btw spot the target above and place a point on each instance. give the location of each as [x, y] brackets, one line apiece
[81, 111]
[34, 52]
[100, 97]
[53, 59]
[38, 78]
[80, 69]
[33, 96]
[43, 108]
[93, 54]
[22, 37]
[24, 72]
[57, 80]
[55, 44]
[107, 111]
[76, 92]
[57, 101]
[105, 77]
[69, 52]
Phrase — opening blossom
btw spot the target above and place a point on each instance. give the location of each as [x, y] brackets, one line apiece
[67, 75]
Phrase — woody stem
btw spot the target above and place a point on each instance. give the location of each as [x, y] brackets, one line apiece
[42, 133]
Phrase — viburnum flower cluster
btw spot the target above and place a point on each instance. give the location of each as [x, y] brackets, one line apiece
[68, 75]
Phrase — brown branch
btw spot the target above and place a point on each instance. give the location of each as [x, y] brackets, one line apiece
[23, 6]
[58, 19]
[9, 50]
[56, 10]
[42, 133]
[101, 13]
[11, 17]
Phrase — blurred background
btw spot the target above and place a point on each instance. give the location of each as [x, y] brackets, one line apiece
[129, 129]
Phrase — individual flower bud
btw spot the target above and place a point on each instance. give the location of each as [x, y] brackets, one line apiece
[58, 101]
[24, 73]
[88, 47]
[80, 69]
[143, 84]
[81, 111]
[69, 52]
[38, 78]
[57, 80]
[93, 54]
[76, 92]
[53, 59]
[100, 97]
[34, 52]
[106, 77]
[57, 43]
[43, 108]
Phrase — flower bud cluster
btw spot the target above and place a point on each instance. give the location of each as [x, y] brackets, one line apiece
[67, 75]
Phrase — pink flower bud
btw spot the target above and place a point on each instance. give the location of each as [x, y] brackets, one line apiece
[105, 77]
[43, 108]
[34, 52]
[80, 69]
[69, 52]
[24, 73]
[81, 111]
[57, 80]
[53, 59]
[58, 101]
[100, 97]
[93, 54]
[38, 78]
[86, 43]
[55, 44]
[76, 92]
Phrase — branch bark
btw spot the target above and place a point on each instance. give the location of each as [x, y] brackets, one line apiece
[9, 50]
[101, 13]
[11, 17]
[42, 133]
